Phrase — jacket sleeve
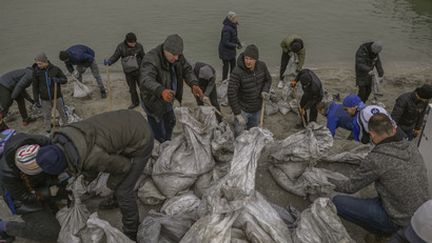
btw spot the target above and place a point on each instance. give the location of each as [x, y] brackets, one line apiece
[398, 109]
[22, 84]
[148, 79]
[35, 85]
[141, 53]
[188, 74]
[60, 75]
[113, 164]
[210, 86]
[365, 175]
[332, 124]
[378, 66]
[117, 54]
[420, 119]
[69, 67]
[302, 57]
[226, 36]
[267, 81]
[361, 60]
[233, 88]
[18, 190]
[88, 58]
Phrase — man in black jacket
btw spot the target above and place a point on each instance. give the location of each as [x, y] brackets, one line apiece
[248, 86]
[163, 70]
[410, 108]
[131, 52]
[367, 58]
[13, 87]
[312, 93]
[45, 77]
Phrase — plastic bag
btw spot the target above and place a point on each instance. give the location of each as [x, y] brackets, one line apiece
[222, 92]
[284, 107]
[100, 231]
[149, 194]
[223, 143]
[81, 90]
[99, 185]
[180, 205]
[320, 224]
[71, 115]
[205, 181]
[187, 156]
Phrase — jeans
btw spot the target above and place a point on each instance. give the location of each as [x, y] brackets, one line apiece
[251, 121]
[406, 235]
[47, 106]
[132, 80]
[367, 213]
[95, 71]
[228, 65]
[162, 129]
[364, 92]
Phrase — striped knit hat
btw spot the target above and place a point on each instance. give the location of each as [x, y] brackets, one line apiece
[25, 159]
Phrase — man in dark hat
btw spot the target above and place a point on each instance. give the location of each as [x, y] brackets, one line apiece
[410, 109]
[248, 86]
[83, 57]
[162, 72]
[131, 53]
[293, 53]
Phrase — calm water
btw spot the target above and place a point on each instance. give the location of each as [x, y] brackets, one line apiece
[332, 29]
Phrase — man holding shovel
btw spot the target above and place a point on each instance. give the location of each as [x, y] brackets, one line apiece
[248, 88]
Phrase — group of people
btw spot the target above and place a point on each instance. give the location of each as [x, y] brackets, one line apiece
[34, 168]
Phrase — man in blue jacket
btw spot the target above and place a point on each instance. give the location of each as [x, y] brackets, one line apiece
[83, 57]
[336, 116]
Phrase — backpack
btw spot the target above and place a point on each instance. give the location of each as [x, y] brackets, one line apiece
[5, 136]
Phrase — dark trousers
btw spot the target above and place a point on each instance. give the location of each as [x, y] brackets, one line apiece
[162, 129]
[39, 226]
[364, 92]
[367, 213]
[313, 112]
[227, 65]
[284, 62]
[213, 100]
[132, 80]
[127, 197]
[6, 102]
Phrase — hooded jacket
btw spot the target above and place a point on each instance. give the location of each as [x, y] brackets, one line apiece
[312, 88]
[398, 171]
[123, 50]
[155, 76]
[79, 55]
[17, 81]
[365, 61]
[286, 47]
[229, 41]
[338, 117]
[408, 112]
[245, 86]
[43, 86]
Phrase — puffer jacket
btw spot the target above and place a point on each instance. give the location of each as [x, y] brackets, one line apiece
[11, 178]
[43, 87]
[104, 143]
[245, 86]
[286, 47]
[365, 61]
[17, 81]
[398, 170]
[155, 76]
[123, 50]
[79, 55]
[408, 112]
[229, 41]
[313, 93]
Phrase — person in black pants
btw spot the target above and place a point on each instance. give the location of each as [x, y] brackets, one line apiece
[228, 44]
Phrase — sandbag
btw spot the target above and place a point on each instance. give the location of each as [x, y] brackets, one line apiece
[222, 144]
[149, 194]
[73, 219]
[189, 155]
[100, 231]
[205, 181]
[71, 115]
[271, 108]
[81, 90]
[284, 107]
[222, 93]
[320, 224]
[99, 186]
[185, 204]
[353, 156]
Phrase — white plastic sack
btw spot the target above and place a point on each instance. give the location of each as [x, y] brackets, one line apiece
[71, 115]
[222, 93]
[284, 107]
[149, 194]
[223, 143]
[187, 156]
[183, 204]
[81, 90]
[100, 231]
[99, 185]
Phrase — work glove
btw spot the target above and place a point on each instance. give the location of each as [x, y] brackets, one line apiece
[206, 100]
[293, 83]
[196, 90]
[265, 95]
[168, 95]
[241, 120]
[107, 62]
[75, 74]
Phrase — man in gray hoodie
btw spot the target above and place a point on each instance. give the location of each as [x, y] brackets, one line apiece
[397, 168]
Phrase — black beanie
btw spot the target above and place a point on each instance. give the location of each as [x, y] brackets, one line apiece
[304, 77]
[425, 91]
[173, 44]
[251, 51]
[131, 37]
[64, 55]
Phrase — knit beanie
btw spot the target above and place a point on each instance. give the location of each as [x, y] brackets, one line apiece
[205, 73]
[173, 44]
[25, 159]
[351, 100]
[41, 57]
[251, 51]
[131, 37]
[425, 91]
[51, 159]
[376, 47]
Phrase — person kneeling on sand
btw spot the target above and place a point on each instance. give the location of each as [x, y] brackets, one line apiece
[336, 116]
[397, 168]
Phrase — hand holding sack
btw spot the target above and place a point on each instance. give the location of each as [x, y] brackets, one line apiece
[196, 90]
[168, 95]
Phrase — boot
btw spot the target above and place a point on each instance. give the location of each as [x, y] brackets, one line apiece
[103, 94]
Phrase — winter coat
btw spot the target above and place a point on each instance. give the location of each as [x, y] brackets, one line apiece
[104, 143]
[408, 112]
[229, 41]
[286, 47]
[14, 187]
[43, 86]
[155, 76]
[313, 93]
[338, 117]
[365, 62]
[207, 85]
[17, 81]
[123, 50]
[79, 55]
[245, 86]
[398, 171]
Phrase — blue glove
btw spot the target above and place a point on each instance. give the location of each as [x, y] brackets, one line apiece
[2, 226]
[107, 62]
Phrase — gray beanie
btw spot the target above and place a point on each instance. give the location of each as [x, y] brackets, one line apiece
[173, 44]
[376, 47]
[41, 57]
[205, 73]
[251, 51]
